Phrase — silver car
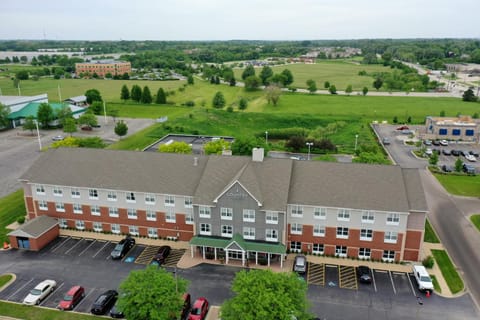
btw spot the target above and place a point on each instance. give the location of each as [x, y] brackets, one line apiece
[300, 264]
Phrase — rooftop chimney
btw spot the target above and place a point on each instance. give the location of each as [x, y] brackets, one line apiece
[257, 154]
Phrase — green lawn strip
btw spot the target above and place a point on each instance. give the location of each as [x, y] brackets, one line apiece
[475, 219]
[4, 278]
[430, 235]
[461, 185]
[448, 270]
[325, 157]
[436, 286]
[36, 313]
[12, 207]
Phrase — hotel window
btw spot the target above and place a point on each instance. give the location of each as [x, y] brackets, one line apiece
[393, 218]
[62, 223]
[133, 230]
[204, 212]
[388, 255]
[227, 231]
[271, 235]
[390, 237]
[152, 233]
[297, 211]
[189, 218]
[77, 208]
[93, 194]
[170, 215]
[97, 226]
[271, 217]
[340, 251]
[295, 246]
[131, 213]
[364, 253]
[130, 197]
[226, 213]
[368, 217]
[206, 229]
[75, 193]
[60, 206]
[57, 192]
[95, 210]
[42, 205]
[115, 228]
[40, 189]
[320, 213]
[112, 196]
[149, 198]
[169, 201]
[296, 228]
[342, 233]
[248, 215]
[366, 234]
[151, 215]
[188, 202]
[343, 215]
[80, 224]
[318, 230]
[318, 248]
[113, 212]
[249, 233]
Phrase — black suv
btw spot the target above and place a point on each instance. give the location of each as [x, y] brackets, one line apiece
[162, 254]
[468, 168]
[104, 302]
[122, 248]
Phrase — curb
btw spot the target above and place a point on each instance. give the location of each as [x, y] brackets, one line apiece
[5, 286]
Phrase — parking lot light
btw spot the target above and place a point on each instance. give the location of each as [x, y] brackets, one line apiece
[266, 137]
[309, 144]
[356, 141]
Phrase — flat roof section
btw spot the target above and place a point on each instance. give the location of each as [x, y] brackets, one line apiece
[196, 141]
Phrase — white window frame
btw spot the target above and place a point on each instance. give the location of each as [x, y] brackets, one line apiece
[387, 255]
[226, 213]
[189, 218]
[169, 201]
[112, 196]
[364, 234]
[320, 213]
[319, 230]
[43, 205]
[170, 215]
[318, 248]
[271, 217]
[97, 226]
[115, 228]
[93, 194]
[342, 232]
[150, 198]
[75, 193]
[132, 214]
[364, 253]
[249, 233]
[204, 212]
[248, 215]
[227, 231]
[79, 224]
[297, 211]
[133, 230]
[296, 246]
[40, 189]
[368, 216]
[77, 208]
[57, 191]
[188, 202]
[390, 237]
[113, 212]
[130, 197]
[95, 210]
[271, 235]
[343, 215]
[152, 232]
[60, 206]
[206, 229]
[151, 215]
[341, 251]
[393, 219]
[296, 228]
[62, 223]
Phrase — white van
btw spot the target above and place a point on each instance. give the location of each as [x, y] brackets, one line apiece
[424, 281]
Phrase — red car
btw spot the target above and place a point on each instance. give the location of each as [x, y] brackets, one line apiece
[403, 128]
[199, 309]
[72, 298]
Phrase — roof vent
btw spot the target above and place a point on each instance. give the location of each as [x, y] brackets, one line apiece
[257, 154]
[195, 161]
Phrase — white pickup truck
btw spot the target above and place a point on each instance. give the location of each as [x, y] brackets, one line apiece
[424, 281]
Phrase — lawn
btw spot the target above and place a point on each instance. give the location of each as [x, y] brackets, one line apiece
[4, 279]
[19, 311]
[11, 208]
[436, 286]
[460, 185]
[475, 219]
[448, 270]
[430, 235]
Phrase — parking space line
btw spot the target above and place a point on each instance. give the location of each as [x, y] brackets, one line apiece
[76, 244]
[391, 280]
[85, 298]
[373, 281]
[87, 247]
[51, 294]
[99, 250]
[60, 244]
[411, 284]
[21, 288]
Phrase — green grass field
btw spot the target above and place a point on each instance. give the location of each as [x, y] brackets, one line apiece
[341, 73]
[19, 311]
[4, 279]
[460, 185]
[448, 270]
[475, 219]
[430, 235]
[11, 208]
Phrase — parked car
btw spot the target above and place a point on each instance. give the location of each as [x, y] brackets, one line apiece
[446, 168]
[474, 153]
[446, 152]
[470, 158]
[40, 292]
[436, 142]
[187, 304]
[104, 302]
[300, 264]
[464, 153]
[199, 309]
[456, 152]
[162, 254]
[86, 128]
[71, 298]
[115, 312]
[122, 248]
[428, 152]
[468, 168]
[403, 128]
[427, 142]
[58, 138]
[444, 143]
[386, 141]
[364, 274]
[424, 282]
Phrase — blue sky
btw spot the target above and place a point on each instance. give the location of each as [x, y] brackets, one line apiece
[234, 19]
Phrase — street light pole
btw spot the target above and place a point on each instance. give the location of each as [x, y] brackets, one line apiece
[38, 135]
[356, 141]
[309, 144]
[266, 137]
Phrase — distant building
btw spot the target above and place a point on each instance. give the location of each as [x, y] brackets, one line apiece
[101, 68]
[77, 101]
[31, 110]
[463, 67]
[453, 128]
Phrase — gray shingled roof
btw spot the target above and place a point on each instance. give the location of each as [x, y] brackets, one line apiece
[414, 189]
[35, 227]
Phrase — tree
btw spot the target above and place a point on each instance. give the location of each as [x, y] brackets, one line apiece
[190, 79]
[433, 160]
[244, 145]
[377, 84]
[4, 112]
[45, 114]
[96, 107]
[93, 95]
[265, 74]
[332, 89]
[125, 94]
[278, 79]
[232, 82]
[146, 95]
[22, 75]
[248, 72]
[458, 165]
[63, 114]
[273, 93]
[88, 119]
[288, 77]
[29, 124]
[295, 143]
[216, 147]
[349, 89]
[311, 86]
[136, 93]
[365, 91]
[469, 96]
[161, 97]
[264, 294]
[326, 84]
[176, 147]
[252, 83]
[152, 293]
[121, 128]
[69, 126]
[242, 104]
[218, 100]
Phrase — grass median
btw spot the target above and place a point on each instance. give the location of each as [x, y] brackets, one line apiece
[475, 219]
[35, 313]
[12, 207]
[461, 185]
[430, 235]
[448, 270]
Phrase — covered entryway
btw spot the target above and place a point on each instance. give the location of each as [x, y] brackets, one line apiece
[34, 234]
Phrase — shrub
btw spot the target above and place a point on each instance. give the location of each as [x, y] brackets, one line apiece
[21, 220]
[428, 262]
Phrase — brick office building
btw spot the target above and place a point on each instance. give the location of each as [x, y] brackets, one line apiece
[234, 207]
[101, 68]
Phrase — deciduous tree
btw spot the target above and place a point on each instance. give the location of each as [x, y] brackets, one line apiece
[248, 72]
[377, 84]
[176, 147]
[29, 124]
[273, 93]
[121, 128]
[45, 114]
[69, 126]
[469, 96]
[265, 74]
[349, 89]
[242, 103]
[190, 80]
[63, 114]
[365, 91]
[332, 89]
[288, 77]
[326, 84]
[4, 112]
[311, 86]
[93, 95]
[88, 119]
[252, 83]
[218, 100]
